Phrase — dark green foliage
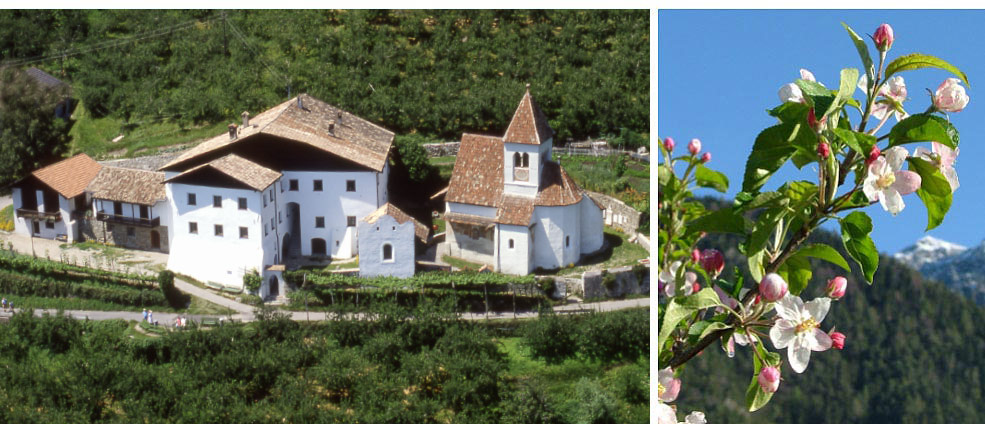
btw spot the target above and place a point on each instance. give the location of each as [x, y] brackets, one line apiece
[530, 405]
[631, 384]
[26, 285]
[177, 299]
[412, 176]
[30, 134]
[551, 337]
[595, 406]
[252, 281]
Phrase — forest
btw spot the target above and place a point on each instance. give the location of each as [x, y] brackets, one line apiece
[437, 73]
[907, 358]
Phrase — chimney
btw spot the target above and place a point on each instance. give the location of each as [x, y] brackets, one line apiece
[340, 117]
[232, 131]
[300, 103]
[528, 88]
[246, 119]
[331, 127]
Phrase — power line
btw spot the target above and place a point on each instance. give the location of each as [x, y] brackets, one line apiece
[106, 44]
[242, 39]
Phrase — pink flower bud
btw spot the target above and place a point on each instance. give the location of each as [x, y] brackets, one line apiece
[712, 261]
[706, 157]
[769, 379]
[823, 150]
[873, 155]
[695, 287]
[694, 146]
[836, 287]
[695, 255]
[883, 37]
[837, 340]
[950, 96]
[773, 287]
[669, 144]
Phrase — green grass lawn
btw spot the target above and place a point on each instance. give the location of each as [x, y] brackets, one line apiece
[7, 218]
[461, 263]
[110, 252]
[94, 136]
[619, 253]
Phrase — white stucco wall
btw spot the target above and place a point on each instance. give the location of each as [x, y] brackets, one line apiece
[591, 226]
[382, 193]
[205, 256]
[515, 260]
[372, 237]
[486, 211]
[523, 188]
[21, 225]
[553, 224]
[333, 203]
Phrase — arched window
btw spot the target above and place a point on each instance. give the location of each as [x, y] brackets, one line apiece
[526, 160]
[387, 252]
[318, 246]
[516, 160]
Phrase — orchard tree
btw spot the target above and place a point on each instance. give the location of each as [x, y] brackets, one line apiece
[856, 167]
[30, 133]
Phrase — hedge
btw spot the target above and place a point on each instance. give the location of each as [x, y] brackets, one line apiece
[24, 285]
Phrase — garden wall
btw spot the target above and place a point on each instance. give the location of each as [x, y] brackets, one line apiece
[615, 213]
[442, 149]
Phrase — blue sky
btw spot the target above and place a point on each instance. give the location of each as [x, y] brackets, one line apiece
[718, 72]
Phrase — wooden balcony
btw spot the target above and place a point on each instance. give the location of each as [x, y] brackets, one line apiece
[127, 220]
[33, 214]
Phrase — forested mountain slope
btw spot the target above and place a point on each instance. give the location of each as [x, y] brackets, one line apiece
[914, 354]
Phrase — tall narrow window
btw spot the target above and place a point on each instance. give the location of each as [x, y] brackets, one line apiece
[265, 230]
[511, 243]
[218, 230]
[516, 160]
[144, 212]
[293, 185]
[117, 208]
[526, 160]
[387, 252]
[242, 203]
[216, 201]
[191, 199]
[192, 228]
[567, 241]
[350, 185]
[317, 185]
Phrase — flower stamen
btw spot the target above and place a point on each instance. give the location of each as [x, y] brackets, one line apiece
[809, 325]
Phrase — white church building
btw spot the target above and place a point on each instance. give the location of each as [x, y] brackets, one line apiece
[508, 205]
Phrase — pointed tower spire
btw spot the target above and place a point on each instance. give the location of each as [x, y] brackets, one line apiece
[529, 125]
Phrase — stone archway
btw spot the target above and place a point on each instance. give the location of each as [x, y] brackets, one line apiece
[273, 287]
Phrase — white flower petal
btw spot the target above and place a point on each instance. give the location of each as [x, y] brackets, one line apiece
[807, 75]
[822, 341]
[791, 93]
[952, 177]
[798, 358]
[695, 417]
[906, 182]
[869, 187]
[863, 83]
[818, 308]
[665, 414]
[891, 201]
[782, 333]
[923, 153]
[789, 307]
[895, 156]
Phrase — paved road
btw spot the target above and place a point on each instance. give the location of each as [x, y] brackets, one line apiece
[196, 291]
[168, 318]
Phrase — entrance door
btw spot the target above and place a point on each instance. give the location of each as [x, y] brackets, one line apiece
[155, 240]
[274, 290]
[37, 227]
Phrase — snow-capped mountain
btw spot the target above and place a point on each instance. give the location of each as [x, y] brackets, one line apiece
[927, 250]
[958, 267]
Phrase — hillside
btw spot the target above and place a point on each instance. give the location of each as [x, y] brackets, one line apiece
[168, 75]
[912, 355]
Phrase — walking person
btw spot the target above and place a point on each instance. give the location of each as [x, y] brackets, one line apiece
[150, 317]
[145, 314]
[4, 301]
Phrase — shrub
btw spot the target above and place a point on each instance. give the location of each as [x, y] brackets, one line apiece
[529, 405]
[177, 299]
[595, 406]
[252, 281]
[615, 336]
[630, 383]
[551, 338]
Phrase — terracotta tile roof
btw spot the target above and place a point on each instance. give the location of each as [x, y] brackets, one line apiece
[351, 137]
[389, 209]
[469, 219]
[556, 187]
[70, 176]
[529, 125]
[477, 178]
[43, 78]
[515, 210]
[128, 185]
[250, 173]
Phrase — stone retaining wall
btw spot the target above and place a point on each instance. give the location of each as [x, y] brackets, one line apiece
[442, 149]
[615, 213]
[623, 281]
[117, 234]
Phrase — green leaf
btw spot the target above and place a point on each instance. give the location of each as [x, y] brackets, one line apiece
[756, 397]
[825, 252]
[763, 228]
[849, 79]
[918, 61]
[755, 262]
[721, 221]
[771, 149]
[863, 51]
[745, 201]
[681, 307]
[923, 127]
[796, 270]
[715, 326]
[663, 175]
[705, 177]
[859, 142]
[812, 88]
[790, 112]
[934, 191]
[855, 229]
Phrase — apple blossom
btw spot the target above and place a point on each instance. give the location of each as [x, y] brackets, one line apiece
[705, 158]
[691, 285]
[725, 298]
[887, 183]
[773, 287]
[769, 379]
[694, 146]
[874, 154]
[807, 75]
[695, 255]
[667, 278]
[712, 261]
[837, 340]
[950, 96]
[883, 37]
[797, 329]
[791, 93]
[836, 287]
[823, 150]
[667, 386]
[669, 144]
[943, 158]
[695, 417]
[665, 414]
